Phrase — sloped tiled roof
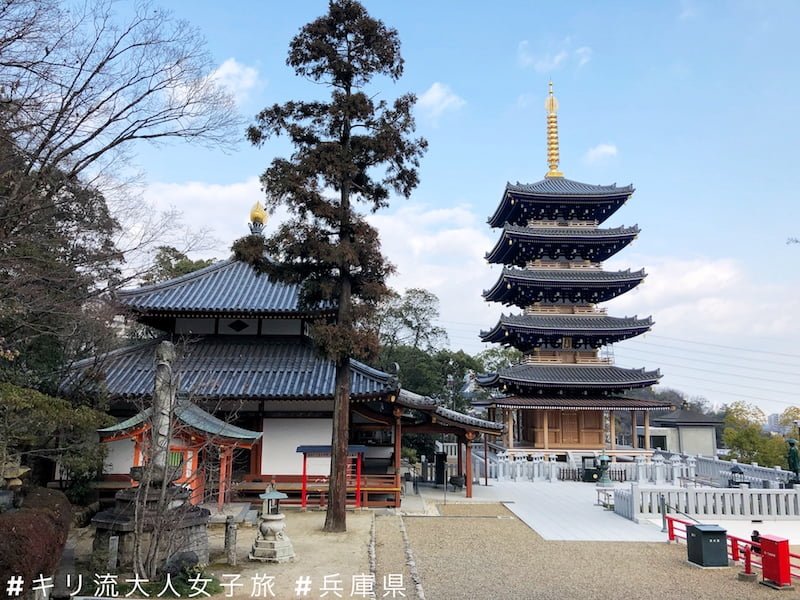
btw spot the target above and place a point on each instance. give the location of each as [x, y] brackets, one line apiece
[516, 286]
[565, 198]
[428, 405]
[237, 367]
[574, 323]
[571, 376]
[577, 403]
[191, 416]
[229, 286]
[561, 186]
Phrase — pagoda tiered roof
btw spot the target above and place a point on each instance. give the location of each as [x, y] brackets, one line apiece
[558, 198]
[523, 287]
[574, 403]
[525, 332]
[519, 244]
[234, 367]
[527, 377]
[230, 287]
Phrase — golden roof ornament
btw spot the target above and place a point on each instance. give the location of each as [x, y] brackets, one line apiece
[258, 218]
[551, 106]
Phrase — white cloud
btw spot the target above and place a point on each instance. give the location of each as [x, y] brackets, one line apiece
[600, 153]
[236, 78]
[439, 99]
[552, 58]
[223, 208]
[584, 55]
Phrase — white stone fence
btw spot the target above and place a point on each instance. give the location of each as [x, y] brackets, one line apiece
[719, 471]
[664, 468]
[704, 503]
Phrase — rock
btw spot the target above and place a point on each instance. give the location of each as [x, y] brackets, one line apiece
[180, 562]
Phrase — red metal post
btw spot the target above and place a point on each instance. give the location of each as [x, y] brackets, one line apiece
[734, 548]
[748, 560]
[670, 529]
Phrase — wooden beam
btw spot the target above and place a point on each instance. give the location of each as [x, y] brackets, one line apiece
[647, 430]
[634, 441]
[460, 457]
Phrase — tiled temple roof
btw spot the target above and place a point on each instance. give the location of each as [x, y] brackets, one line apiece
[518, 244]
[511, 328]
[571, 376]
[226, 287]
[522, 287]
[557, 196]
[191, 416]
[561, 186]
[236, 367]
[575, 403]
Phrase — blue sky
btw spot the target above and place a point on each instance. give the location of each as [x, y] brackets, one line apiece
[695, 103]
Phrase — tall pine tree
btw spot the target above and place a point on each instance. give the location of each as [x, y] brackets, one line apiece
[350, 153]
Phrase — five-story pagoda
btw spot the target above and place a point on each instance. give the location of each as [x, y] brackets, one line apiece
[564, 394]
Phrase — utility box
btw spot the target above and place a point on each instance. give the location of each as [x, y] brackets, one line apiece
[775, 566]
[707, 545]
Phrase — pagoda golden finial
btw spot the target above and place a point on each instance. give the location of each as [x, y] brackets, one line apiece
[258, 218]
[551, 106]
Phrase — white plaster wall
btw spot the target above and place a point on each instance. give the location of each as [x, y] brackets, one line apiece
[698, 440]
[119, 457]
[279, 454]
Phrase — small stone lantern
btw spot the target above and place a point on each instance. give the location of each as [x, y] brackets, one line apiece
[602, 468]
[737, 477]
[272, 544]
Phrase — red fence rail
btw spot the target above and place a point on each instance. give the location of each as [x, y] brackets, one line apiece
[739, 549]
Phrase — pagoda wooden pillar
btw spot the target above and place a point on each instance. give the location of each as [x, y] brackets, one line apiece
[546, 429]
[612, 429]
[470, 435]
[510, 427]
[646, 430]
[634, 441]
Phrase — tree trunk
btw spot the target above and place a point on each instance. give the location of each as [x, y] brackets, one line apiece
[335, 518]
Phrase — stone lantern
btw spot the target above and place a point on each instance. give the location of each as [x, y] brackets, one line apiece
[602, 468]
[272, 544]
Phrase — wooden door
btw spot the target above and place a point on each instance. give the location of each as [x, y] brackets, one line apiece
[569, 428]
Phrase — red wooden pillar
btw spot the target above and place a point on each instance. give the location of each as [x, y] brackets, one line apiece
[398, 434]
[255, 458]
[470, 435]
[304, 488]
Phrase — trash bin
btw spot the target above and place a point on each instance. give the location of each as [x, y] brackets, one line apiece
[439, 467]
[707, 545]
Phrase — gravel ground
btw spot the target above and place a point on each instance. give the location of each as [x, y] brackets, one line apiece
[482, 551]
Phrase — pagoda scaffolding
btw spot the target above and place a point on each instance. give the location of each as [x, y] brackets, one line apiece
[565, 393]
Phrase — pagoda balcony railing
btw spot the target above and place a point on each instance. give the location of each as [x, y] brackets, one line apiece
[566, 357]
[563, 265]
[565, 309]
[533, 224]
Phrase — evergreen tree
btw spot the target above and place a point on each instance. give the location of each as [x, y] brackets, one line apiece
[350, 150]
